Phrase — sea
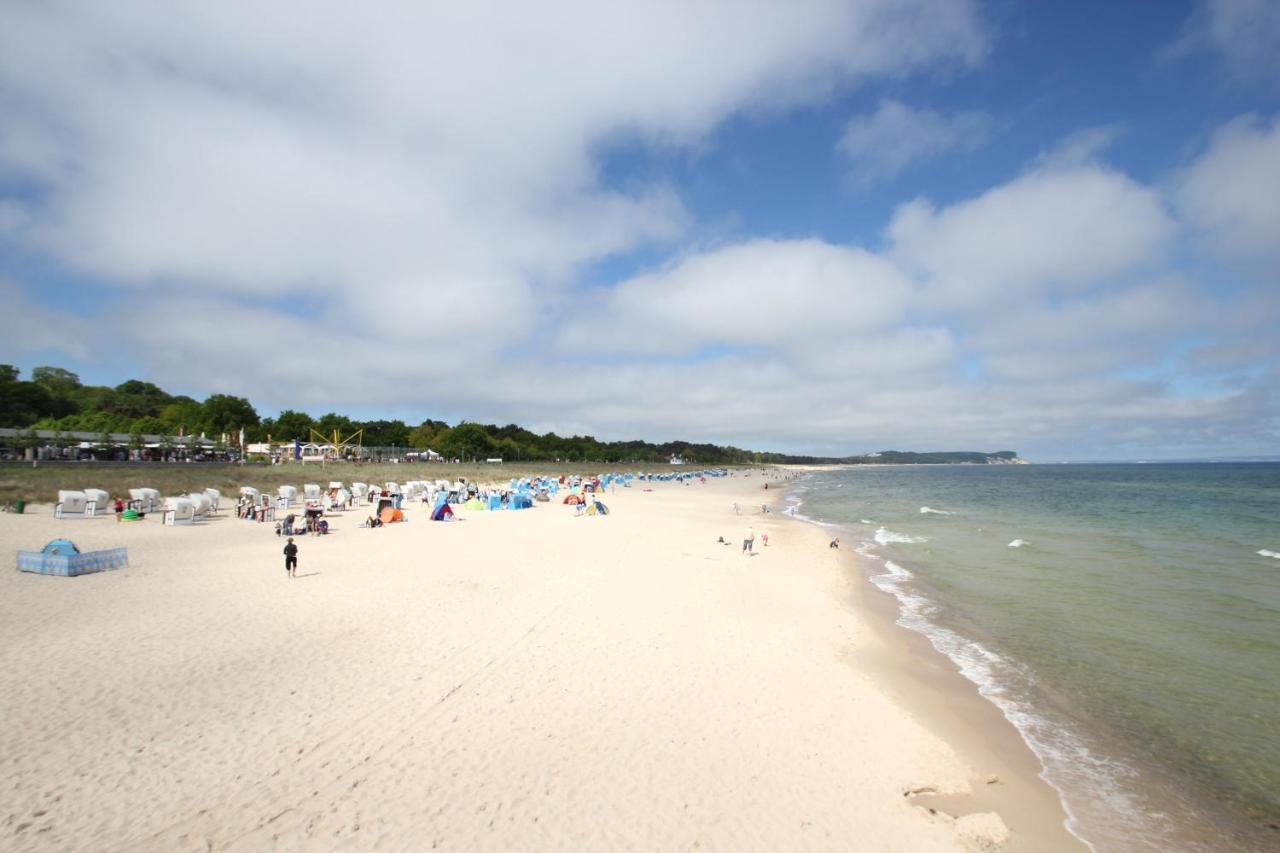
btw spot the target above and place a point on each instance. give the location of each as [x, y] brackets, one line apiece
[1124, 617]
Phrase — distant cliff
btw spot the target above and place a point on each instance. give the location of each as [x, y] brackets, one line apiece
[950, 457]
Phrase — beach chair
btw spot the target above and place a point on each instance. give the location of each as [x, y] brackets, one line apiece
[70, 504]
[179, 511]
[144, 500]
[200, 503]
[96, 502]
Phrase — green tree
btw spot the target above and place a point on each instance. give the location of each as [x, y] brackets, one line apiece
[24, 403]
[327, 423]
[467, 441]
[290, 425]
[427, 434]
[385, 434]
[60, 381]
[137, 399]
[149, 426]
[181, 415]
[224, 413]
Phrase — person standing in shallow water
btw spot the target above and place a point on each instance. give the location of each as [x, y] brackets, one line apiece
[291, 558]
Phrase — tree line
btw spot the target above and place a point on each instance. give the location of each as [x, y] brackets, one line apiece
[55, 399]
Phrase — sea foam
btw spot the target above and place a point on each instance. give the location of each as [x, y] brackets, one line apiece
[1063, 750]
[885, 536]
[928, 510]
[1018, 543]
[1265, 553]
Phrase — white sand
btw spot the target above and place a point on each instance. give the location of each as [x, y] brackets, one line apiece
[519, 680]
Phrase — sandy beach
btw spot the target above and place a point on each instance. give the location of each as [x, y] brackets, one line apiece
[514, 680]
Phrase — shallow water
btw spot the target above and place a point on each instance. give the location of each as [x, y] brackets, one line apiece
[1125, 617]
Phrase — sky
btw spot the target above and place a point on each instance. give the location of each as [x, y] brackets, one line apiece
[815, 226]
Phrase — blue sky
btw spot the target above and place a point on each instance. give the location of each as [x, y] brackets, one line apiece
[828, 227]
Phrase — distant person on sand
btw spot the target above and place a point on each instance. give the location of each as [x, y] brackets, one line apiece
[749, 540]
[291, 558]
[835, 543]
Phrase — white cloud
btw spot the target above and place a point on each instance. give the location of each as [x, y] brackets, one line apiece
[883, 144]
[391, 209]
[1228, 194]
[760, 293]
[1245, 33]
[1049, 230]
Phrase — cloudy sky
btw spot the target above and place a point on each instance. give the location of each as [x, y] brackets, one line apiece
[817, 226]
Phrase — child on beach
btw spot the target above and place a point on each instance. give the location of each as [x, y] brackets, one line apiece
[749, 540]
[291, 558]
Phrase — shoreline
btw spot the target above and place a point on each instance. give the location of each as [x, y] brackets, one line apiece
[1139, 801]
[518, 680]
[928, 684]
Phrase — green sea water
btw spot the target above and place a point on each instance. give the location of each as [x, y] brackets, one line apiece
[1126, 618]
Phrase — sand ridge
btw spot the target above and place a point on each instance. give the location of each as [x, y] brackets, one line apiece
[529, 680]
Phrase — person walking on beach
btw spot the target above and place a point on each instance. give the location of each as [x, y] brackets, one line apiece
[749, 540]
[291, 558]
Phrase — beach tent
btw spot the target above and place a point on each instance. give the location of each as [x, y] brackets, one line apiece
[214, 497]
[61, 557]
[520, 501]
[311, 491]
[573, 499]
[444, 512]
[130, 515]
[63, 547]
[249, 492]
[360, 490]
[288, 494]
[385, 504]
[98, 498]
[474, 503]
[70, 504]
[390, 515]
[495, 500]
